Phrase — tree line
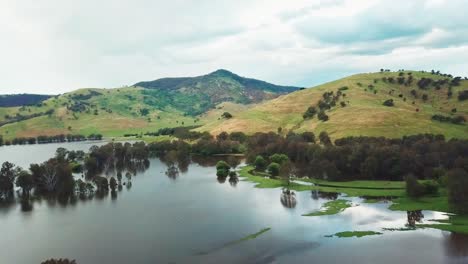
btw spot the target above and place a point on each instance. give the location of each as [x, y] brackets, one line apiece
[54, 178]
[49, 139]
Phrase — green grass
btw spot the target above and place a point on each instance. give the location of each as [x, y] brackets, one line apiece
[357, 234]
[331, 208]
[359, 184]
[455, 223]
[437, 203]
[235, 242]
[253, 236]
[358, 191]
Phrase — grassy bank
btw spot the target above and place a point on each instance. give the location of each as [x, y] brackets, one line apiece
[331, 208]
[356, 188]
[356, 234]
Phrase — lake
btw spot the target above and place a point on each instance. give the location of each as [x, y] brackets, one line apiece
[193, 218]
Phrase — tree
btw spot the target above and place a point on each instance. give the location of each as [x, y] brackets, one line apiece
[458, 190]
[322, 116]
[222, 169]
[273, 169]
[112, 183]
[7, 177]
[324, 138]
[102, 183]
[413, 188]
[369, 167]
[310, 112]
[222, 136]
[389, 102]
[25, 181]
[279, 158]
[308, 137]
[260, 163]
[226, 115]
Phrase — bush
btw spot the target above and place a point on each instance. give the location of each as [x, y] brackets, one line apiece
[388, 102]
[273, 169]
[222, 173]
[413, 188]
[226, 115]
[260, 163]
[310, 112]
[463, 95]
[279, 158]
[222, 169]
[322, 116]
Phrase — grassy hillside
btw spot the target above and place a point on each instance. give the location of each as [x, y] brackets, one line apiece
[112, 112]
[169, 102]
[364, 112]
[358, 110]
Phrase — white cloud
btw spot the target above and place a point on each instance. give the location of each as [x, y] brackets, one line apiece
[53, 46]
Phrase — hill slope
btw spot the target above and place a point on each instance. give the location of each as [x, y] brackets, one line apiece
[115, 112]
[195, 95]
[364, 112]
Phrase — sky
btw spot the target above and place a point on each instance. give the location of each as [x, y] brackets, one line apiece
[55, 46]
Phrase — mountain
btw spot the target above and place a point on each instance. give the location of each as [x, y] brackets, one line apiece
[391, 104]
[10, 100]
[419, 102]
[145, 107]
[195, 95]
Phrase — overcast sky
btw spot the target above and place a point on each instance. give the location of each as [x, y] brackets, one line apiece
[55, 46]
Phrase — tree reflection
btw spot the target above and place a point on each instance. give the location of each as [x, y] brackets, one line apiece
[233, 180]
[172, 172]
[315, 195]
[414, 217]
[288, 198]
[456, 245]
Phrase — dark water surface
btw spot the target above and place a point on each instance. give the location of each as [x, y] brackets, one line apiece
[194, 219]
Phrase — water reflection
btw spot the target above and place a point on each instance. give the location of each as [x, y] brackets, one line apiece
[288, 198]
[233, 180]
[315, 195]
[456, 245]
[172, 171]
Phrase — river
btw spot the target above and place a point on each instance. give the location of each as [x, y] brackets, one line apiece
[193, 218]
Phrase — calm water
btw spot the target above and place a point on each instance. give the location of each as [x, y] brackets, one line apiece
[191, 218]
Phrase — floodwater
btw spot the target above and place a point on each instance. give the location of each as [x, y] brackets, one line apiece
[193, 218]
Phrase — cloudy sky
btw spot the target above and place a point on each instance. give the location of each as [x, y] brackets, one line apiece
[54, 46]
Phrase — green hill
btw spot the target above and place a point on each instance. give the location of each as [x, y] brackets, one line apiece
[169, 102]
[418, 98]
[196, 95]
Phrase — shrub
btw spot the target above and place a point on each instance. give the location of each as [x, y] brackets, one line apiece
[226, 115]
[463, 95]
[388, 102]
[322, 116]
[279, 158]
[260, 163]
[310, 112]
[273, 169]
